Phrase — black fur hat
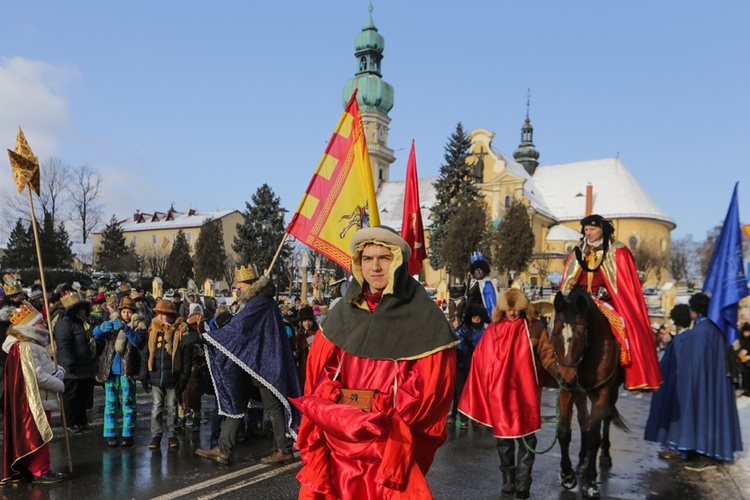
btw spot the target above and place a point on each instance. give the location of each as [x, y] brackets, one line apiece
[597, 220]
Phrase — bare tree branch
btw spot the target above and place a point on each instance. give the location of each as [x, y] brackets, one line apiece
[84, 194]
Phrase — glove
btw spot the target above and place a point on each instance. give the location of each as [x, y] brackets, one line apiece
[115, 324]
[106, 326]
[180, 386]
[146, 385]
[60, 373]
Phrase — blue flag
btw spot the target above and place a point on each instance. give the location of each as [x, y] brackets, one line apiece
[725, 278]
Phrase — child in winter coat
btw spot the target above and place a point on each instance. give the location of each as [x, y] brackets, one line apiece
[119, 366]
[31, 381]
[166, 370]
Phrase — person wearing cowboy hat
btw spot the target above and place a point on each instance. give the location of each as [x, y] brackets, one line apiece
[503, 390]
[387, 341]
[253, 350]
[77, 353]
[606, 269]
[166, 369]
[119, 367]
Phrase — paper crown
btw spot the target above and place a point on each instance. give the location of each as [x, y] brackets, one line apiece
[125, 287]
[111, 298]
[70, 299]
[12, 288]
[25, 315]
[245, 273]
[103, 289]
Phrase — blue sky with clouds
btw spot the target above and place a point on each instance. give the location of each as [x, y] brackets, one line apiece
[199, 103]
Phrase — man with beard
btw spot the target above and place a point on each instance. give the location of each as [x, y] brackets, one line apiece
[253, 350]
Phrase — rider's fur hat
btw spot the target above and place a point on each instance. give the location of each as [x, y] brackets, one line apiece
[515, 300]
[596, 220]
[478, 261]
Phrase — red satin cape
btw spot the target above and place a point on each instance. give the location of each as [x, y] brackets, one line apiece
[348, 453]
[20, 434]
[503, 390]
[643, 372]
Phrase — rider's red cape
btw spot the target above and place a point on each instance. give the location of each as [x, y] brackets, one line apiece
[627, 298]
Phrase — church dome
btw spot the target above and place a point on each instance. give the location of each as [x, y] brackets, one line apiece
[374, 94]
[369, 39]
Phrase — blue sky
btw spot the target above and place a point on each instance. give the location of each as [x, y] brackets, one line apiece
[199, 103]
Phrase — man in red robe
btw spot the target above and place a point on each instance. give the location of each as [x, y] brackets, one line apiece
[387, 336]
[503, 390]
[605, 267]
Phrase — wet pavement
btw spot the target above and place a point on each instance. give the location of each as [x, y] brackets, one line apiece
[465, 467]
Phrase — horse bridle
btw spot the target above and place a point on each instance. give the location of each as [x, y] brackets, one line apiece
[585, 334]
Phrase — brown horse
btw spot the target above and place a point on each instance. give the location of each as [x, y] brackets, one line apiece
[588, 356]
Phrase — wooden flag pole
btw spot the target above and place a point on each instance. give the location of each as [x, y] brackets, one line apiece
[49, 323]
[278, 251]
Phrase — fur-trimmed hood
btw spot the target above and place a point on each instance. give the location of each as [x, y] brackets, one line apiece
[253, 290]
[25, 333]
[514, 300]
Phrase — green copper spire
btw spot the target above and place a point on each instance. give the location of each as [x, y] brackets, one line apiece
[375, 95]
[526, 154]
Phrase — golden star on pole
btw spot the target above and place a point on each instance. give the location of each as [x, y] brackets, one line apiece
[24, 164]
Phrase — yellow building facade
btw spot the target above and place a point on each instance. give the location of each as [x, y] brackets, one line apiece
[155, 233]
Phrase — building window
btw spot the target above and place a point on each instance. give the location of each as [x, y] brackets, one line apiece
[134, 240]
[188, 237]
[633, 242]
[153, 239]
[507, 201]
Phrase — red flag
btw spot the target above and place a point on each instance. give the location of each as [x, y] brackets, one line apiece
[340, 198]
[412, 229]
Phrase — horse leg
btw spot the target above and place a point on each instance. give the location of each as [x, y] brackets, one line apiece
[583, 424]
[605, 459]
[590, 488]
[567, 476]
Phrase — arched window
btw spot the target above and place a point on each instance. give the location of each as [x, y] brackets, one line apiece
[362, 63]
[507, 201]
[633, 242]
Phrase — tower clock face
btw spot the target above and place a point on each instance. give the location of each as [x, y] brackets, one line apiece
[381, 135]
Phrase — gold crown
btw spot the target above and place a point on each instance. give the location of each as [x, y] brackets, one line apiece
[245, 273]
[25, 315]
[12, 288]
[70, 299]
[111, 298]
[125, 287]
[103, 289]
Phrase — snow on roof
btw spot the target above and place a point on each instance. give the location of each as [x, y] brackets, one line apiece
[179, 220]
[530, 189]
[559, 232]
[390, 197]
[616, 192]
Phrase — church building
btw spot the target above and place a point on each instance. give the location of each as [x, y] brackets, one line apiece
[557, 196]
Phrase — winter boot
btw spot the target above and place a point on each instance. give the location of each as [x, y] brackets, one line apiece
[525, 465]
[506, 450]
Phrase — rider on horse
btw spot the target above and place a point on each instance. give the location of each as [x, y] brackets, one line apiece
[605, 267]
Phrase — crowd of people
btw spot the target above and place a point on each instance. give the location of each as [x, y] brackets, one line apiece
[365, 389]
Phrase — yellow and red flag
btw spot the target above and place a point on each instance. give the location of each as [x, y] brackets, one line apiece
[412, 229]
[24, 164]
[340, 198]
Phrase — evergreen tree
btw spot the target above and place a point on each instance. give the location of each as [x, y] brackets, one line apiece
[455, 186]
[21, 252]
[464, 235]
[63, 253]
[210, 255]
[261, 231]
[513, 242]
[179, 264]
[112, 247]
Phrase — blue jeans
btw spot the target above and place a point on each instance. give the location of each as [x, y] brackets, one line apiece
[117, 387]
[159, 395]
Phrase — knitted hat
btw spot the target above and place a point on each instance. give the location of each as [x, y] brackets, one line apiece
[35, 294]
[176, 295]
[100, 298]
[165, 307]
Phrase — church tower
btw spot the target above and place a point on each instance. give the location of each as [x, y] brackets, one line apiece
[375, 99]
[526, 154]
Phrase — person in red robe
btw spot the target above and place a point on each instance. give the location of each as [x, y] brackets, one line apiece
[32, 388]
[503, 390]
[385, 336]
[605, 267]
